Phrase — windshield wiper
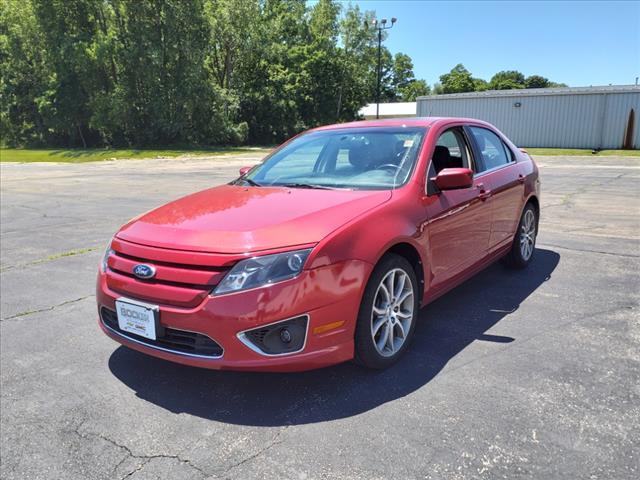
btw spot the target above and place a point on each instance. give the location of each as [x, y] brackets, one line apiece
[253, 183]
[306, 185]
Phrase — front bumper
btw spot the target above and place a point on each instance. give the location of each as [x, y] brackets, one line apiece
[329, 295]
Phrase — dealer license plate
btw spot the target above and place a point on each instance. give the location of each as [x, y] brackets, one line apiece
[138, 318]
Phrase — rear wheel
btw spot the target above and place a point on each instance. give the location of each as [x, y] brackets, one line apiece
[388, 312]
[524, 242]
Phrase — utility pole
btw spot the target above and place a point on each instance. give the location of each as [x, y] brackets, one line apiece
[380, 26]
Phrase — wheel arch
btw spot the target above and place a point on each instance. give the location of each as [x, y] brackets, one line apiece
[409, 252]
[533, 200]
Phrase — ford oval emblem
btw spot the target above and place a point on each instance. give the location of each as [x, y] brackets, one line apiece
[144, 271]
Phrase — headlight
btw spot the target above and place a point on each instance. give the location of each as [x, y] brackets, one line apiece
[105, 257]
[258, 271]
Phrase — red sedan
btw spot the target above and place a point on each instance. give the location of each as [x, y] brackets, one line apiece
[325, 251]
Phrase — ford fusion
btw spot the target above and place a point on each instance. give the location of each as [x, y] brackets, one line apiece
[325, 251]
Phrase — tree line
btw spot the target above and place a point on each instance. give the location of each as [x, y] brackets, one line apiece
[460, 80]
[86, 73]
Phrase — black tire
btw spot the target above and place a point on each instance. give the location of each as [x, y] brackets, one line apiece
[517, 258]
[366, 351]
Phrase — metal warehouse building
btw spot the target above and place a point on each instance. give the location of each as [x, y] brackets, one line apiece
[589, 117]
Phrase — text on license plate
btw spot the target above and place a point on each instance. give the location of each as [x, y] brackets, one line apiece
[137, 319]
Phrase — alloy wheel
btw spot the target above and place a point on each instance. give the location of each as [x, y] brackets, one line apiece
[527, 234]
[392, 312]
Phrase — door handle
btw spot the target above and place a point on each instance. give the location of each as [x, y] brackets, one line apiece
[521, 178]
[484, 193]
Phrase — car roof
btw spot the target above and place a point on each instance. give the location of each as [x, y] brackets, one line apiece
[399, 122]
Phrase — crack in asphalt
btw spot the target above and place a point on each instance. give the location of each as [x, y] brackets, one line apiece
[47, 309]
[567, 198]
[275, 441]
[146, 459]
[130, 454]
[135, 470]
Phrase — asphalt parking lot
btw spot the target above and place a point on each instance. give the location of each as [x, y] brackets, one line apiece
[531, 374]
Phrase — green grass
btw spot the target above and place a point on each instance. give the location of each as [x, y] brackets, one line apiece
[50, 258]
[28, 155]
[579, 151]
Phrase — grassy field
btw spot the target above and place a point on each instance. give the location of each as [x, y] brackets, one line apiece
[579, 151]
[96, 154]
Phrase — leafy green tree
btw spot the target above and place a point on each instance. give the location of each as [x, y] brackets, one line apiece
[320, 65]
[505, 85]
[480, 85]
[536, 81]
[458, 80]
[233, 34]
[414, 89]
[403, 85]
[401, 74]
[507, 80]
[323, 23]
[161, 72]
[69, 30]
[167, 96]
[357, 84]
[273, 82]
[234, 47]
[24, 76]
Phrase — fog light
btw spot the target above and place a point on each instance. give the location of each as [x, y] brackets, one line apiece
[285, 336]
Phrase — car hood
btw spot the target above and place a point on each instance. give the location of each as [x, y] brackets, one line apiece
[237, 219]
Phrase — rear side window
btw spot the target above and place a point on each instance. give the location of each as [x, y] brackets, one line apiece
[493, 150]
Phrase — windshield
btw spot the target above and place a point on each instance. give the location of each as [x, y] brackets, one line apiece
[358, 158]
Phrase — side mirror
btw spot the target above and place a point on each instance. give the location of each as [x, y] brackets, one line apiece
[453, 178]
[244, 171]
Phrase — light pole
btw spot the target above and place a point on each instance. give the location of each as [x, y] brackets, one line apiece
[380, 26]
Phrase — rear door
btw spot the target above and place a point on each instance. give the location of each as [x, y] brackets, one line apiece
[500, 174]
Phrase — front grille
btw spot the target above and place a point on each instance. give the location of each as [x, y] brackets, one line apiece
[179, 284]
[172, 340]
[197, 276]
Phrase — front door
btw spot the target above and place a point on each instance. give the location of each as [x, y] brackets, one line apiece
[459, 220]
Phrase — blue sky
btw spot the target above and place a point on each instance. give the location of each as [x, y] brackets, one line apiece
[578, 43]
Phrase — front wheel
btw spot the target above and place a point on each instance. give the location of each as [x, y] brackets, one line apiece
[524, 242]
[388, 313]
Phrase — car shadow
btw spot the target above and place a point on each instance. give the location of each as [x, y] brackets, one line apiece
[446, 327]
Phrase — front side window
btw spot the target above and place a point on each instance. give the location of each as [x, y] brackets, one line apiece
[355, 158]
[494, 152]
[451, 151]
